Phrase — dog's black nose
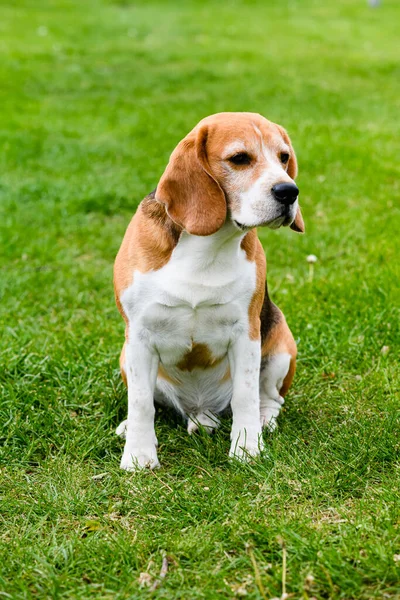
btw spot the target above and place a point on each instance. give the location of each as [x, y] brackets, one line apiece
[285, 192]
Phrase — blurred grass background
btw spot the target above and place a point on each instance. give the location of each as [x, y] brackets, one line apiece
[94, 96]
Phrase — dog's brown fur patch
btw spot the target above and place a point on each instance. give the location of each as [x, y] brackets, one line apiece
[198, 356]
[147, 245]
[254, 252]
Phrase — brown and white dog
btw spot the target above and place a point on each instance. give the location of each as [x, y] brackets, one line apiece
[201, 331]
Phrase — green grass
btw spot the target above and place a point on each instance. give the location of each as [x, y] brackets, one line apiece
[94, 95]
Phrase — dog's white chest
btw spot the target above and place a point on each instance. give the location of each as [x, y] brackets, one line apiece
[201, 296]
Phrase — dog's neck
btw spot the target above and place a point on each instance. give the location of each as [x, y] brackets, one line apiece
[219, 248]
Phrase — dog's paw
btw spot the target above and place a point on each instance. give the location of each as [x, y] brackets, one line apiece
[269, 419]
[269, 411]
[246, 444]
[206, 420]
[134, 459]
[121, 429]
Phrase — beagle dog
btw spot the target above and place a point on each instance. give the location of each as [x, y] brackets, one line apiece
[201, 331]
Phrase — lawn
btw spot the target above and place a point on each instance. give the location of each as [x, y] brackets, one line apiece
[94, 96]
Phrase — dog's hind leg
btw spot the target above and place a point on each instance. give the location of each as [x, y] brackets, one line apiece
[278, 363]
[276, 371]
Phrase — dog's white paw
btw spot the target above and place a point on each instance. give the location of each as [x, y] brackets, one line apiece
[246, 444]
[269, 419]
[206, 420]
[121, 429]
[269, 411]
[134, 459]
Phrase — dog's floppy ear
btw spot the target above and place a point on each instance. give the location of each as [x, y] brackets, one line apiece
[193, 198]
[298, 223]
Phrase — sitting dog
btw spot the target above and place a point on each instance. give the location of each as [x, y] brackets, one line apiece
[201, 330]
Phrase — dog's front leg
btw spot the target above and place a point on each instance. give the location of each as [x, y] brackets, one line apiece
[244, 358]
[141, 365]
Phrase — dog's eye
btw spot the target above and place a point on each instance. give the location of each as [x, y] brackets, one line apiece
[284, 157]
[242, 158]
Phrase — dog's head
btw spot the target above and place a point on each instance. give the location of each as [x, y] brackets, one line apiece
[232, 165]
